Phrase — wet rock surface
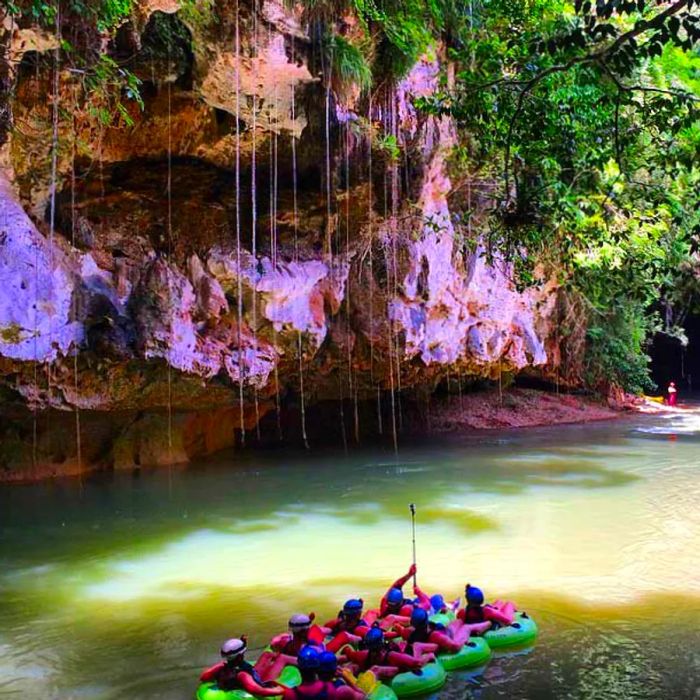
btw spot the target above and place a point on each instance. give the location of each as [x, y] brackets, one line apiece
[221, 251]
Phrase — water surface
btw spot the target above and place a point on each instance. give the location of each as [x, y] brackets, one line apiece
[124, 586]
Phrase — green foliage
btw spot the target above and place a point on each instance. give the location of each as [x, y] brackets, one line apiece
[167, 39]
[198, 13]
[404, 29]
[606, 26]
[400, 30]
[108, 13]
[388, 146]
[105, 15]
[105, 84]
[615, 351]
[37, 10]
[595, 137]
[349, 65]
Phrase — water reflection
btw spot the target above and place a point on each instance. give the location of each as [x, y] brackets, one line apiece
[125, 589]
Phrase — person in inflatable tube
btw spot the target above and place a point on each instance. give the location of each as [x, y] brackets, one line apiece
[383, 660]
[425, 637]
[348, 627]
[311, 687]
[341, 679]
[235, 673]
[478, 616]
[394, 607]
[438, 606]
[284, 648]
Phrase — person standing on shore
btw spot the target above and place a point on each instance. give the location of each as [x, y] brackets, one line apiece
[672, 394]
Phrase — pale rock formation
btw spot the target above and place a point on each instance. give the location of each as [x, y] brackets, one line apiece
[37, 281]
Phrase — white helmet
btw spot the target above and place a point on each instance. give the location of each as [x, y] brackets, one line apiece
[299, 622]
[232, 648]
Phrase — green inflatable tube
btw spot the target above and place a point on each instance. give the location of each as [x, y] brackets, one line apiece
[382, 692]
[290, 677]
[443, 618]
[210, 691]
[521, 631]
[476, 651]
[429, 679]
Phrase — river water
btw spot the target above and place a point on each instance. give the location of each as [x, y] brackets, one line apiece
[124, 586]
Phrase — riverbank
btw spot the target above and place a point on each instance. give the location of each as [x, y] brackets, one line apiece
[519, 408]
[116, 442]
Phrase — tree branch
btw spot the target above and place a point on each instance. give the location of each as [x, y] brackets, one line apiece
[597, 57]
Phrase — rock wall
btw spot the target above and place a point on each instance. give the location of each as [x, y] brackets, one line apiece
[246, 235]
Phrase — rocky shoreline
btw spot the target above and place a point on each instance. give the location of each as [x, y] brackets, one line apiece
[519, 408]
[129, 442]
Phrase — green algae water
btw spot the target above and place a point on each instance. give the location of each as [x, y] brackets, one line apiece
[125, 586]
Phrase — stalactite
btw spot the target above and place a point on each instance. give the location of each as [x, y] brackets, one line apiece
[394, 224]
[391, 382]
[389, 267]
[295, 205]
[351, 387]
[329, 243]
[241, 352]
[254, 214]
[301, 391]
[76, 387]
[500, 382]
[326, 70]
[370, 226]
[273, 233]
[459, 388]
[169, 191]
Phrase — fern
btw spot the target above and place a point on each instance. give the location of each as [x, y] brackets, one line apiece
[349, 65]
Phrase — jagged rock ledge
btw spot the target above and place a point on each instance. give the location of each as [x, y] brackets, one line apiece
[158, 328]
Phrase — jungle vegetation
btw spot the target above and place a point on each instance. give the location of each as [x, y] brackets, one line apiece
[585, 114]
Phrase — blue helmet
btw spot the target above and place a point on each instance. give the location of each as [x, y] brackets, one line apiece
[327, 662]
[353, 606]
[308, 659]
[419, 617]
[394, 596]
[437, 602]
[374, 638]
[474, 595]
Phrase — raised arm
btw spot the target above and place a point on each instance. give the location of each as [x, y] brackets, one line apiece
[423, 600]
[400, 582]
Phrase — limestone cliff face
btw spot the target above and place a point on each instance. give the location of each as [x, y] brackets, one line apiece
[247, 235]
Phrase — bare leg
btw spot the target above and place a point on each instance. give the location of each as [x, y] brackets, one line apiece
[508, 609]
[459, 632]
[384, 672]
[390, 620]
[478, 628]
[422, 648]
[345, 692]
[270, 665]
[445, 642]
[503, 612]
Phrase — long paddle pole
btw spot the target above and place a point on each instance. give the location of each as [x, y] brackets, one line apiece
[412, 508]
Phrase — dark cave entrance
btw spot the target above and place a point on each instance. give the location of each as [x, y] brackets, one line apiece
[671, 361]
